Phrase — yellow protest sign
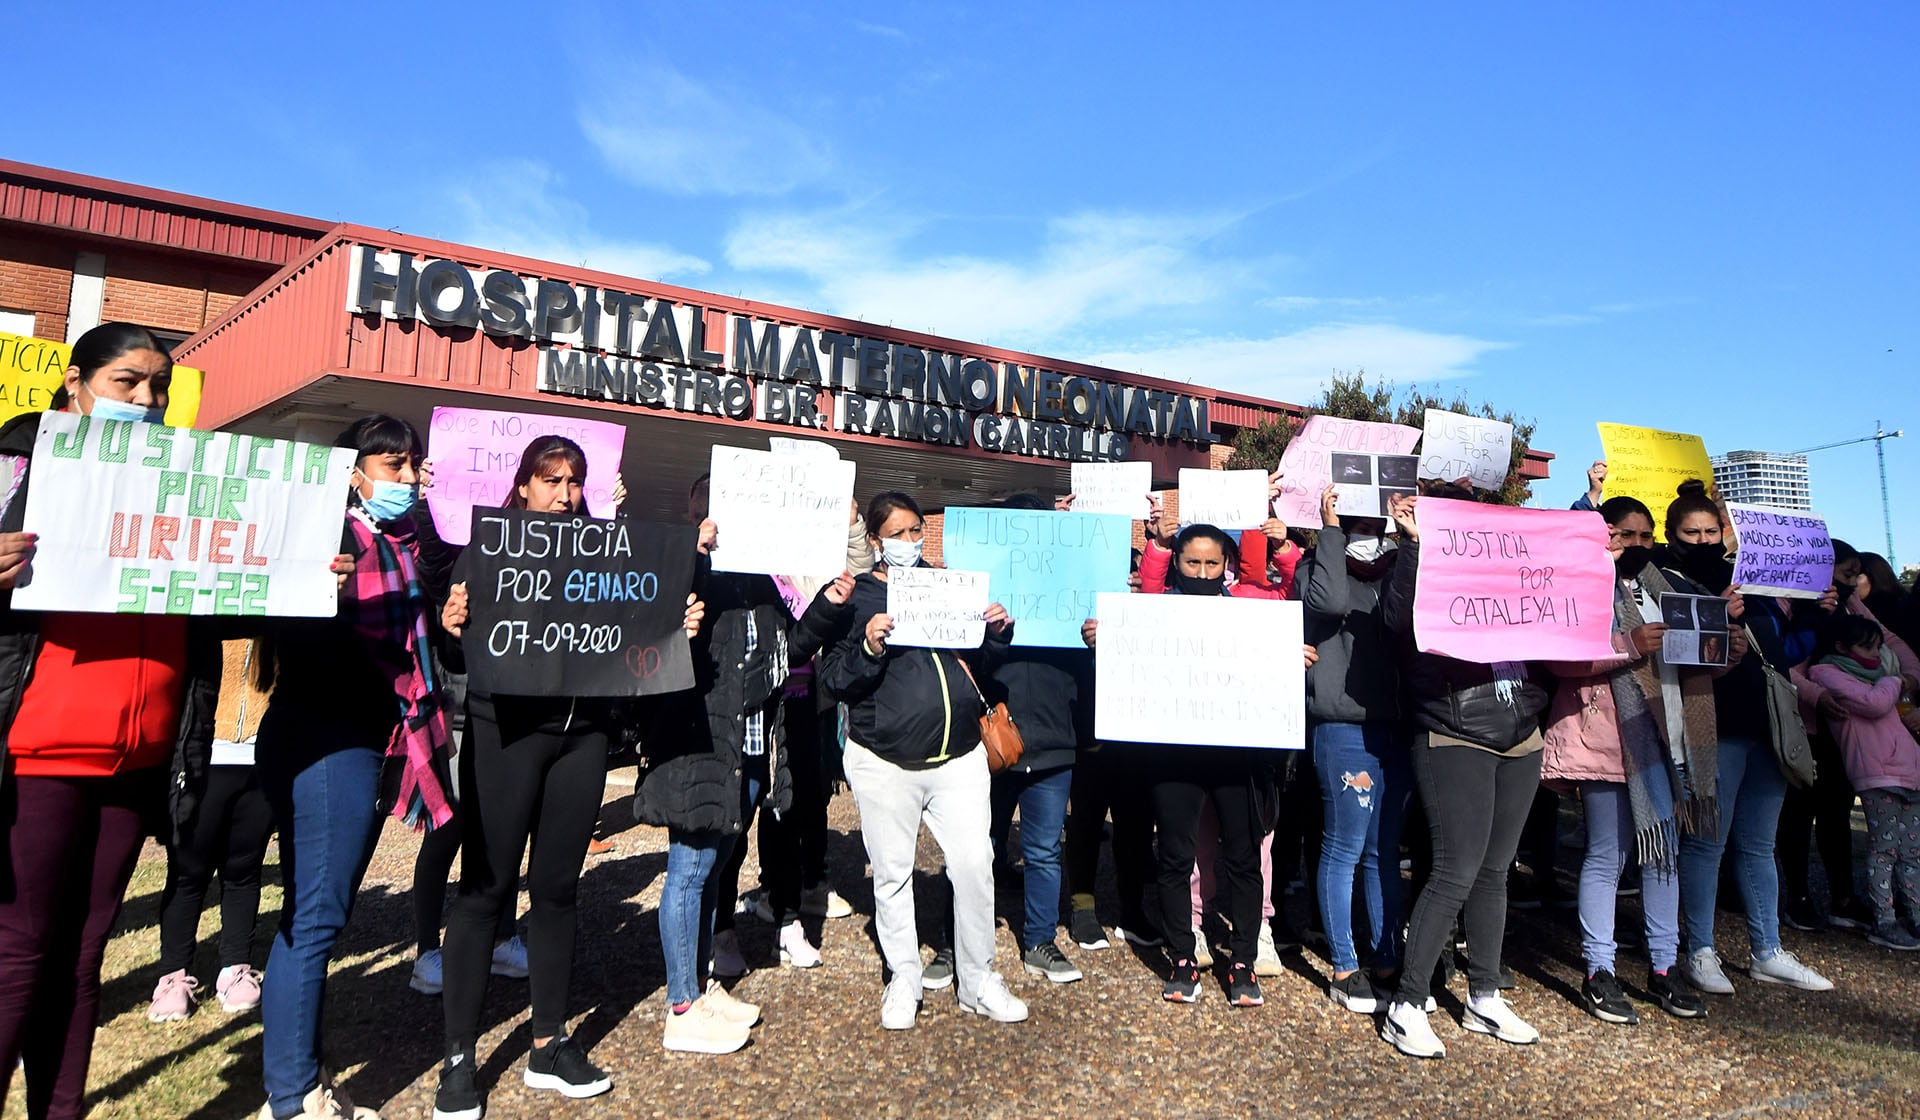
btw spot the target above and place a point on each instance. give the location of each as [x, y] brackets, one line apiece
[1649, 464]
[32, 368]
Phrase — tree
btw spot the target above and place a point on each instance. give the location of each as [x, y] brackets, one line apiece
[1351, 397]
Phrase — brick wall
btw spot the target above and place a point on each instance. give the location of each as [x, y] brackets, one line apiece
[162, 291]
[37, 276]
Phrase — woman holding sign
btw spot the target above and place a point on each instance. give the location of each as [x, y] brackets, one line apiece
[913, 754]
[1635, 736]
[533, 771]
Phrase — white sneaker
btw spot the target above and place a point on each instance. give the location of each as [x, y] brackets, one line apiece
[1144, 938]
[1407, 1028]
[426, 973]
[1493, 1015]
[510, 958]
[900, 1006]
[1703, 969]
[838, 907]
[727, 960]
[702, 1029]
[996, 1002]
[795, 950]
[1266, 962]
[1202, 952]
[1785, 968]
[731, 1007]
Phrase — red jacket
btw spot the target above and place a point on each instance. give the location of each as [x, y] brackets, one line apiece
[105, 696]
[1155, 562]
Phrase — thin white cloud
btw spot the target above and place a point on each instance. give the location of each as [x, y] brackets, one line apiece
[1294, 366]
[521, 207]
[880, 29]
[1301, 304]
[1089, 269]
[666, 132]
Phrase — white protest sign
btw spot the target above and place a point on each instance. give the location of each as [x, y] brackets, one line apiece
[779, 514]
[1193, 670]
[1223, 499]
[937, 607]
[1470, 447]
[1122, 488]
[1781, 552]
[1367, 485]
[1306, 467]
[814, 448]
[143, 519]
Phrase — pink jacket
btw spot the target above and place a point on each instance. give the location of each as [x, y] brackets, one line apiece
[1811, 690]
[1583, 733]
[1879, 750]
[1156, 561]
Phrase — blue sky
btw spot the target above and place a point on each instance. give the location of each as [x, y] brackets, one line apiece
[1687, 217]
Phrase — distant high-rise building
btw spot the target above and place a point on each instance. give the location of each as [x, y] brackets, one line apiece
[1763, 478]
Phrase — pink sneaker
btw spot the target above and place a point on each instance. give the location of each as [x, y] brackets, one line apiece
[238, 988]
[174, 997]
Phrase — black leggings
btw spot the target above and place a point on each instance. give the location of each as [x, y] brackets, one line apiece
[793, 846]
[1110, 780]
[430, 870]
[1231, 781]
[229, 835]
[520, 782]
[1477, 804]
[1820, 817]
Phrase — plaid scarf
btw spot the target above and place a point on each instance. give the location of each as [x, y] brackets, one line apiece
[388, 608]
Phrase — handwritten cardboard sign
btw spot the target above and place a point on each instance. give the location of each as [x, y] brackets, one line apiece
[1498, 583]
[1206, 671]
[1223, 499]
[1649, 464]
[937, 607]
[575, 606]
[1306, 463]
[779, 514]
[1454, 446]
[476, 450]
[1367, 485]
[1044, 567]
[1781, 553]
[1696, 629]
[1122, 488]
[144, 519]
[32, 368]
[811, 448]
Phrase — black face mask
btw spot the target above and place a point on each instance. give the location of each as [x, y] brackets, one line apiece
[1200, 585]
[1632, 561]
[1704, 564]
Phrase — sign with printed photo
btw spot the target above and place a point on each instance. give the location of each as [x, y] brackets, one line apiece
[1697, 632]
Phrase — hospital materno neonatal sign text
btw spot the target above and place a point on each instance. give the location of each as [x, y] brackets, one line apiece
[657, 353]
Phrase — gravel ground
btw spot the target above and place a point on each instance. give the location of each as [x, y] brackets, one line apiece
[1105, 1046]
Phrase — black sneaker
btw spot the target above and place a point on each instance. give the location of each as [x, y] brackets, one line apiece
[1243, 987]
[1849, 913]
[1803, 914]
[1606, 1000]
[1675, 995]
[1355, 993]
[1087, 932]
[1183, 983]
[560, 1066]
[1046, 959]
[458, 1098]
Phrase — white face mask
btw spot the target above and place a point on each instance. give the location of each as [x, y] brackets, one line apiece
[899, 554]
[1368, 547]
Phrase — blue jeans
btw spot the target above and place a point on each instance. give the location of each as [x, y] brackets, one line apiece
[1365, 778]
[1610, 843]
[690, 896]
[1042, 797]
[1751, 790]
[324, 798]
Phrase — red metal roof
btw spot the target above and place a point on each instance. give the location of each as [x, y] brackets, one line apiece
[105, 208]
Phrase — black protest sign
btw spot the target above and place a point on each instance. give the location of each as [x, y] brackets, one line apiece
[567, 605]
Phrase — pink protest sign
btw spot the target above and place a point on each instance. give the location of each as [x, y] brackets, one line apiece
[1503, 584]
[475, 452]
[1306, 463]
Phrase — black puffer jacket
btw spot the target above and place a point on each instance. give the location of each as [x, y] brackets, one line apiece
[1458, 698]
[911, 706]
[695, 741]
[20, 646]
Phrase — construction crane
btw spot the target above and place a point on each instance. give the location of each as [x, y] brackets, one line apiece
[1879, 440]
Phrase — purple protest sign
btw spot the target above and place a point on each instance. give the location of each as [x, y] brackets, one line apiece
[476, 450]
[1782, 553]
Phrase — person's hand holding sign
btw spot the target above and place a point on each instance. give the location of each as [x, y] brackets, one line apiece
[1330, 501]
[1405, 515]
[1312, 655]
[840, 590]
[709, 537]
[1646, 638]
[998, 620]
[878, 627]
[1090, 630]
[453, 616]
[341, 567]
[696, 613]
[16, 554]
[1736, 603]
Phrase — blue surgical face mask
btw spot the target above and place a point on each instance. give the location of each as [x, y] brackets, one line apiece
[899, 553]
[391, 501]
[105, 408]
